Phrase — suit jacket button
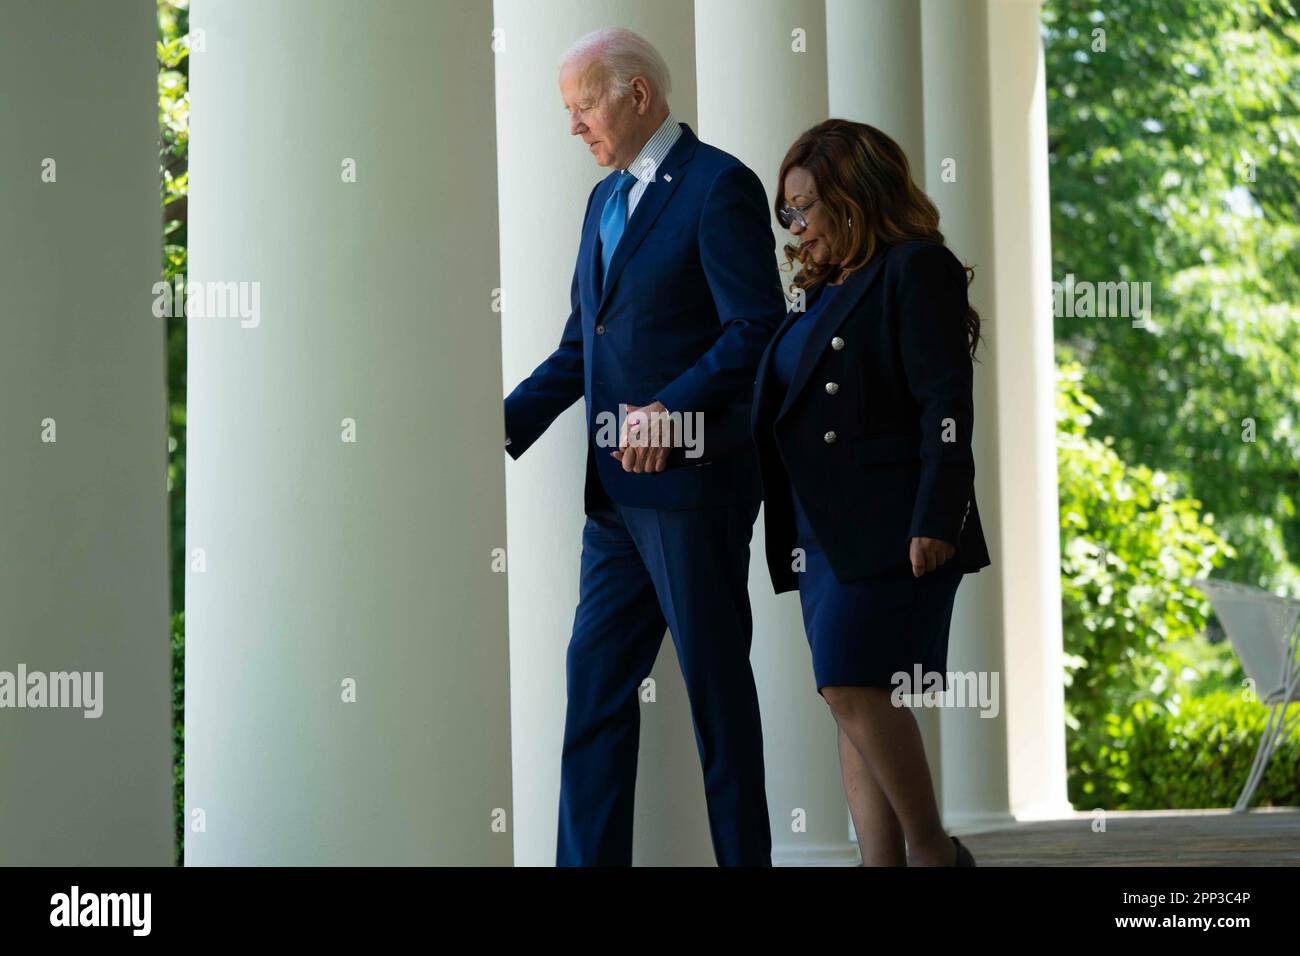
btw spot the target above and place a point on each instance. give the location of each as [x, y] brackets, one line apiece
[600, 330]
[829, 438]
[832, 388]
[837, 343]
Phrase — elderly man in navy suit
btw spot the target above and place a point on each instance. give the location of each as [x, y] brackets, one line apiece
[675, 295]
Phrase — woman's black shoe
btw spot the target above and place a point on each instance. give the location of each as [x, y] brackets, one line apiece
[964, 857]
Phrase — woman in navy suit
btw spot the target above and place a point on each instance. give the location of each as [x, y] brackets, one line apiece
[862, 416]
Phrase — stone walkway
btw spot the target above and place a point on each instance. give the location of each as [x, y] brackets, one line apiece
[1262, 837]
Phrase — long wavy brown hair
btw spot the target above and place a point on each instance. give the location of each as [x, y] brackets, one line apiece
[862, 176]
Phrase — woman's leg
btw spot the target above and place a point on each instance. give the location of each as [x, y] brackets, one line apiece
[889, 742]
[880, 836]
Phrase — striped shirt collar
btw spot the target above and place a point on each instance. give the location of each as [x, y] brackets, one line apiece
[655, 149]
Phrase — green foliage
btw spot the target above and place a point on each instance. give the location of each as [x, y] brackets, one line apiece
[1131, 546]
[1200, 755]
[1173, 161]
[173, 163]
[178, 730]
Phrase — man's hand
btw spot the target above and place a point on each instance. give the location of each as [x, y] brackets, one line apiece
[646, 438]
[927, 554]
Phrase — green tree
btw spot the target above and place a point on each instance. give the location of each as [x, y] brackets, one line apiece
[1131, 547]
[1173, 137]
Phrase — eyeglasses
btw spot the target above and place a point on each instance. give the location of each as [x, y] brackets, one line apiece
[792, 214]
[587, 106]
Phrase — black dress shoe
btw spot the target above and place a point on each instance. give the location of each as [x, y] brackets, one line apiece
[964, 857]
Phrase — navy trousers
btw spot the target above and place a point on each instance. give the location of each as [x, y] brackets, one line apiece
[645, 569]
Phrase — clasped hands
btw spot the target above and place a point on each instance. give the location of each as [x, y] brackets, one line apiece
[645, 439]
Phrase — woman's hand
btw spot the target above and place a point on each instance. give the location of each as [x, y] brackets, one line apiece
[928, 554]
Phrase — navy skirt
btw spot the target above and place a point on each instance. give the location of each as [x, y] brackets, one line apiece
[863, 632]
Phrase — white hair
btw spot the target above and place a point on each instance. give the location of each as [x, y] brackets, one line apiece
[623, 55]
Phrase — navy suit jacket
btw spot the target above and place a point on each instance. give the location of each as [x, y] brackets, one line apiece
[691, 300]
[874, 433]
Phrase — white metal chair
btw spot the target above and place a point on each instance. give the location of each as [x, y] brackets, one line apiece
[1265, 630]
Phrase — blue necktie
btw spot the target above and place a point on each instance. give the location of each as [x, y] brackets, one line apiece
[612, 221]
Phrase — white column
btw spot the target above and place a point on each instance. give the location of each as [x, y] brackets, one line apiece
[874, 68]
[959, 177]
[874, 76]
[986, 170]
[544, 178]
[347, 672]
[1030, 531]
[762, 82]
[83, 525]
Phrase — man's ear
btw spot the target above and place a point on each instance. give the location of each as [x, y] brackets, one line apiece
[642, 96]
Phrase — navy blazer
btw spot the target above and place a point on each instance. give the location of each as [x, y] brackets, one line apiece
[692, 298]
[874, 432]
